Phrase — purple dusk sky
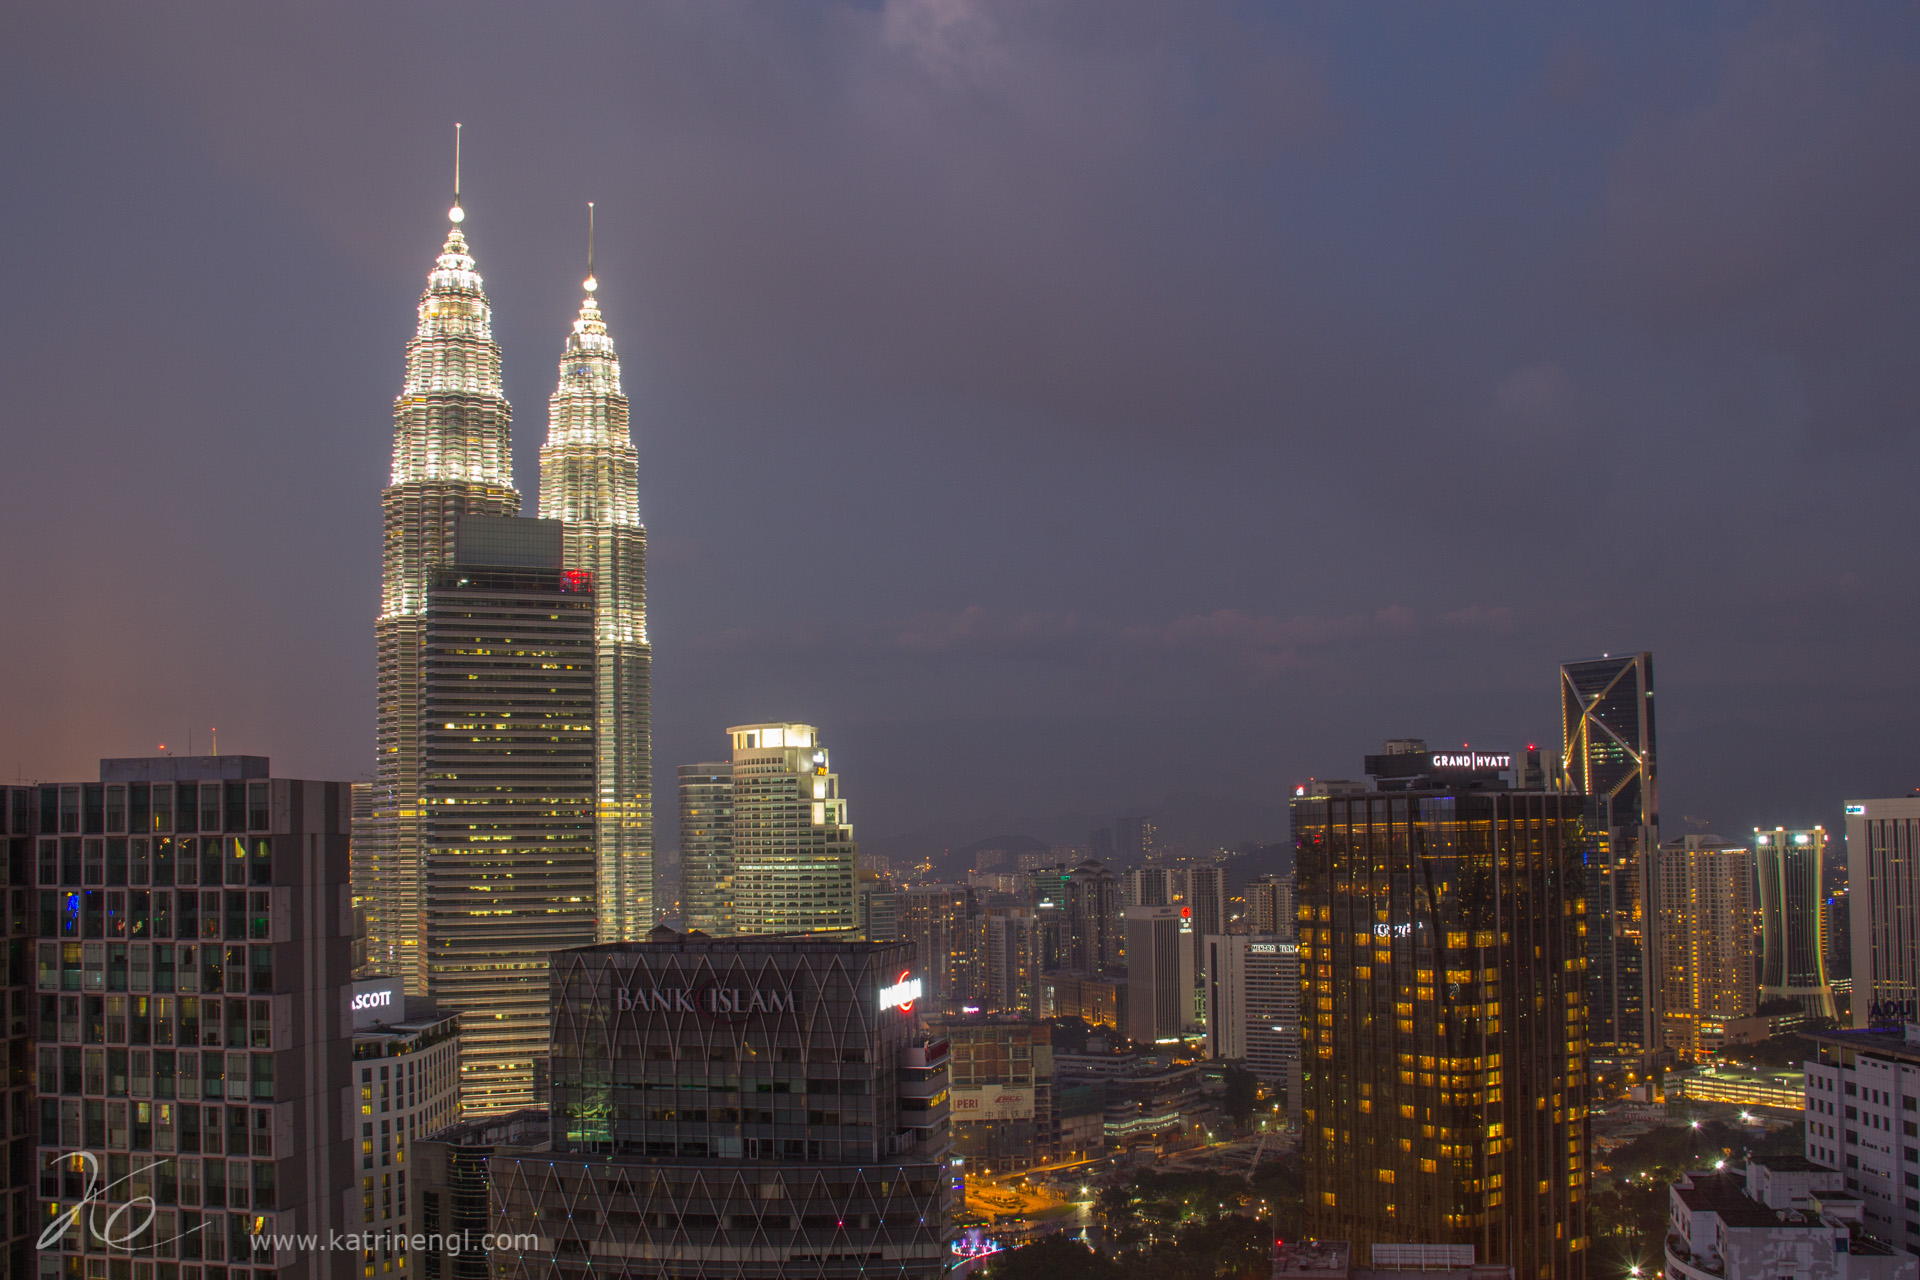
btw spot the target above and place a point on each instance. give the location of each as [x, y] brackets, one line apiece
[1065, 406]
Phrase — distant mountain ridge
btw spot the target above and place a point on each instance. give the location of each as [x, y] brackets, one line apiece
[1186, 821]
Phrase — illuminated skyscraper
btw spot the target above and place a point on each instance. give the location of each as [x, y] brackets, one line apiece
[793, 849]
[589, 478]
[452, 457]
[1444, 1084]
[507, 778]
[1703, 953]
[1792, 918]
[1606, 716]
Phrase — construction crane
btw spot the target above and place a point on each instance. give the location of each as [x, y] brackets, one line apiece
[1257, 1148]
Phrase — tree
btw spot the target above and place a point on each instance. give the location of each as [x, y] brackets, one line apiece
[1243, 1093]
[1057, 1257]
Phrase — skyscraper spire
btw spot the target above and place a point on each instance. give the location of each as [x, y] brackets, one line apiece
[589, 478]
[452, 456]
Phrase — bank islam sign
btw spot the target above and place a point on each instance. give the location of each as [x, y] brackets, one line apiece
[718, 1002]
[992, 1102]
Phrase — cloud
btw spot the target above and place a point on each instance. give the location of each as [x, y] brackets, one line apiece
[1236, 643]
[1781, 206]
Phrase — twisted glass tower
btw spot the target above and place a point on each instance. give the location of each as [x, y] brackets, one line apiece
[590, 479]
[451, 458]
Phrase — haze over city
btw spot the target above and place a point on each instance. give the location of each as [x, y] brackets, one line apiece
[1064, 408]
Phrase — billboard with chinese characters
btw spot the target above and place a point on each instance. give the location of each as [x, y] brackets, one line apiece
[993, 1102]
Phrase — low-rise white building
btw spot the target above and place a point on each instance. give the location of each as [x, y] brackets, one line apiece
[1863, 1119]
[1785, 1218]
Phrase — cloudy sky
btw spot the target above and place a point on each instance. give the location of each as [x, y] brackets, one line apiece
[1062, 405]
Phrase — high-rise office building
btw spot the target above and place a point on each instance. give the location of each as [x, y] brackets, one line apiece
[589, 480]
[1206, 896]
[1160, 983]
[194, 1051]
[1607, 753]
[1093, 936]
[19, 1224]
[706, 846]
[1444, 1083]
[1703, 942]
[793, 849]
[1792, 918]
[810, 1130]
[1223, 975]
[1883, 897]
[945, 926]
[507, 791]
[1273, 1016]
[1270, 905]
[1146, 887]
[452, 456]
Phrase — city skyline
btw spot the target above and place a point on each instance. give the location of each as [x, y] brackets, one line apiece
[1032, 410]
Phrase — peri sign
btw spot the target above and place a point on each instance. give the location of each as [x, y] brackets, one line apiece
[993, 1102]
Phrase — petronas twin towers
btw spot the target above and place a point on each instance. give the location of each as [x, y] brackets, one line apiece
[511, 811]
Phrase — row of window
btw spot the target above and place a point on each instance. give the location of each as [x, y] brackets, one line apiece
[96, 808]
[187, 1021]
[162, 967]
[73, 861]
[162, 1074]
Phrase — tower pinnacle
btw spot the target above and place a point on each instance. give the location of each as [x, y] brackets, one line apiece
[456, 214]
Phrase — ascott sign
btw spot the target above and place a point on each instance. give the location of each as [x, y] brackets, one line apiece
[373, 1001]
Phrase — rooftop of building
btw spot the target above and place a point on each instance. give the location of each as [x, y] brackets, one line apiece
[527, 1125]
[663, 937]
[182, 768]
[1902, 1045]
[1724, 1193]
[1311, 1258]
[1333, 1260]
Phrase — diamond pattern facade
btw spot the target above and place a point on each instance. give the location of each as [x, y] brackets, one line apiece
[739, 1107]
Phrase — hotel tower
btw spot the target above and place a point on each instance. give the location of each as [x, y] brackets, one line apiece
[589, 480]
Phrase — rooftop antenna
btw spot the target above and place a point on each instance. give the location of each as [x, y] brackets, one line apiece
[591, 283]
[216, 740]
[456, 214]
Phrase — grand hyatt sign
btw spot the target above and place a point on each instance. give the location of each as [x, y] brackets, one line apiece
[1475, 760]
[717, 1002]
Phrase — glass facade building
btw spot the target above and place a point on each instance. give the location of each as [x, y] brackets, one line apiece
[1444, 1076]
[737, 1107]
[192, 1006]
[589, 480]
[1607, 737]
